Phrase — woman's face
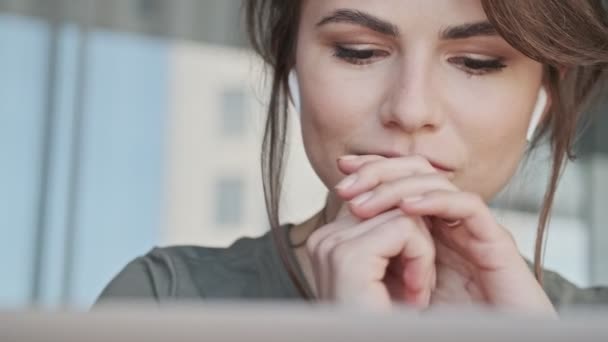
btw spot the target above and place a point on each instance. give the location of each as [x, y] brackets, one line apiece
[405, 77]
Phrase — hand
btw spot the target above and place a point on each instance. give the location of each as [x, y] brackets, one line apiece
[477, 260]
[375, 262]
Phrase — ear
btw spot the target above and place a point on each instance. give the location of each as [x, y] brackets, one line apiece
[540, 111]
[294, 90]
[548, 104]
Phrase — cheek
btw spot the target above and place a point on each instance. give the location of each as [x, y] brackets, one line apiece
[334, 106]
[336, 110]
[492, 122]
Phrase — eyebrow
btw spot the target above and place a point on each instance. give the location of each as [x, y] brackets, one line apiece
[468, 30]
[362, 19]
[464, 31]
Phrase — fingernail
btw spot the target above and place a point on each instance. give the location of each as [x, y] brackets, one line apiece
[349, 157]
[362, 198]
[452, 223]
[413, 199]
[347, 182]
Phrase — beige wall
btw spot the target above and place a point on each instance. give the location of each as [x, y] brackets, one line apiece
[198, 154]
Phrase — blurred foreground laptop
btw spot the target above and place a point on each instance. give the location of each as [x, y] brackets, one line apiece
[289, 322]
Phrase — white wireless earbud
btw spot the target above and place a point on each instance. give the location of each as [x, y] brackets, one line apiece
[294, 89]
[539, 109]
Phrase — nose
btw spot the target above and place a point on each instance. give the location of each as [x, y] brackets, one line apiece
[412, 105]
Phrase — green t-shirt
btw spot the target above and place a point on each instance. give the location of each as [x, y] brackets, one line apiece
[251, 269]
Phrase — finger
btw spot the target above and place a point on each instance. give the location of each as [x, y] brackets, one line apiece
[366, 225]
[376, 171]
[321, 272]
[325, 239]
[452, 257]
[457, 240]
[421, 297]
[344, 219]
[432, 275]
[401, 237]
[343, 213]
[479, 239]
[432, 286]
[349, 164]
[389, 194]
[467, 208]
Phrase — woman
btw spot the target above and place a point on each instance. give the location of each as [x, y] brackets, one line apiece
[414, 114]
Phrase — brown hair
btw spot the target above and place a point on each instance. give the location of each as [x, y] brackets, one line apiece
[569, 37]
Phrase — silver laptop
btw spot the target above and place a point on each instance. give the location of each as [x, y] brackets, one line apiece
[294, 322]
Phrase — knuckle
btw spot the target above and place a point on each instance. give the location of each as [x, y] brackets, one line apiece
[423, 230]
[312, 242]
[508, 235]
[441, 181]
[433, 182]
[420, 160]
[478, 199]
[383, 188]
[316, 238]
[310, 248]
[475, 198]
[323, 247]
[335, 239]
[341, 254]
[396, 228]
[421, 223]
[368, 173]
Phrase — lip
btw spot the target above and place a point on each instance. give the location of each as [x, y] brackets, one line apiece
[392, 154]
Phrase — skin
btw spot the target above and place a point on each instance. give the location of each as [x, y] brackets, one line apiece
[412, 139]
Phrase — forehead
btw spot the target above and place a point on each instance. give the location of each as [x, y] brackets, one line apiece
[408, 15]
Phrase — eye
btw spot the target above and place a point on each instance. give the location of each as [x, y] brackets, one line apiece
[359, 56]
[474, 66]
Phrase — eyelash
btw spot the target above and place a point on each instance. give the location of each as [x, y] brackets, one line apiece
[358, 57]
[471, 66]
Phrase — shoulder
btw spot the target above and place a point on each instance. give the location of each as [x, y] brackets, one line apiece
[565, 295]
[193, 272]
